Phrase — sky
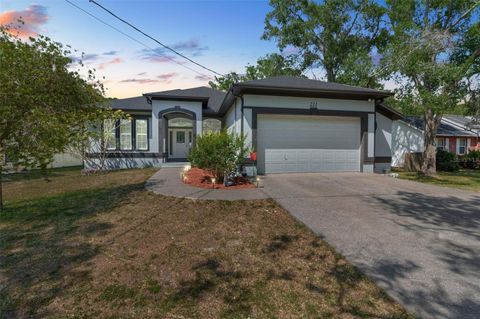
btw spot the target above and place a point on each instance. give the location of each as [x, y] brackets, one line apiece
[222, 35]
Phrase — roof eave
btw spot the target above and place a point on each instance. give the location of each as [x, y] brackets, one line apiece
[241, 88]
[388, 112]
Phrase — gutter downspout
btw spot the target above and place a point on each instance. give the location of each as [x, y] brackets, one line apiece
[241, 112]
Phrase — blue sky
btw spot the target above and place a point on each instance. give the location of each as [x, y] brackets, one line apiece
[224, 35]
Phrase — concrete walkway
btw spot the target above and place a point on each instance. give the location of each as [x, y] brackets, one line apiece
[419, 242]
[167, 182]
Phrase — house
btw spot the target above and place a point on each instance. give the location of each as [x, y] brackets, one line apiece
[456, 134]
[294, 124]
[59, 160]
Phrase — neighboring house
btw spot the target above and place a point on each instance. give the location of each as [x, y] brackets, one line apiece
[456, 134]
[65, 160]
[294, 124]
[59, 160]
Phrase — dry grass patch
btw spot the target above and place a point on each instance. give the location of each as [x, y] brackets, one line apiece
[120, 251]
[467, 179]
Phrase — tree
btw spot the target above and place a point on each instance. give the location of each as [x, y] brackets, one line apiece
[271, 65]
[428, 55]
[340, 36]
[42, 101]
[469, 47]
[96, 134]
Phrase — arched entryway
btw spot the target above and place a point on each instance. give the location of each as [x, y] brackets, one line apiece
[177, 131]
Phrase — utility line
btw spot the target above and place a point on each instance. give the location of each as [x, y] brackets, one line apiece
[132, 38]
[153, 39]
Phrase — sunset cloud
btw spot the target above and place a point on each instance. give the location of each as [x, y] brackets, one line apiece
[33, 17]
[162, 78]
[159, 56]
[167, 77]
[103, 65]
[192, 48]
[140, 81]
[203, 77]
[110, 53]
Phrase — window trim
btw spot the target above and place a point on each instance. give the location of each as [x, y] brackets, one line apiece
[131, 148]
[443, 146]
[133, 138]
[114, 136]
[464, 147]
[135, 119]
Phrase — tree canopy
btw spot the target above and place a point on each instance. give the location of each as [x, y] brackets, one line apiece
[271, 65]
[433, 55]
[339, 36]
[44, 99]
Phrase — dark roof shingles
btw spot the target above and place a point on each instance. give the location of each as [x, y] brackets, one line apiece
[214, 97]
[291, 82]
[137, 103]
[443, 129]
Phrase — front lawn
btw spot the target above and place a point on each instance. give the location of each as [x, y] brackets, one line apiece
[103, 247]
[463, 179]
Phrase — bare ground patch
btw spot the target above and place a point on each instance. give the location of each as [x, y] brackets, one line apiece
[117, 250]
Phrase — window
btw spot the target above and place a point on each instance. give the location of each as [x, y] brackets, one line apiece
[141, 134]
[180, 137]
[462, 145]
[180, 122]
[109, 134]
[125, 134]
[212, 125]
[190, 136]
[441, 143]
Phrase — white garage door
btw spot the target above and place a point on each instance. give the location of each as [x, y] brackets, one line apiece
[298, 143]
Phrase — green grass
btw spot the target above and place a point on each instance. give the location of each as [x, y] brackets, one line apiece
[103, 247]
[463, 179]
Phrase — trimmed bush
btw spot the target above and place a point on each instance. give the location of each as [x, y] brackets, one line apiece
[447, 161]
[470, 160]
[219, 153]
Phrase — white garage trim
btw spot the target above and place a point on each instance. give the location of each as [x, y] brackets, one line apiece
[306, 143]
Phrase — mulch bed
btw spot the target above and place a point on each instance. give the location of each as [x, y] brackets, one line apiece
[200, 178]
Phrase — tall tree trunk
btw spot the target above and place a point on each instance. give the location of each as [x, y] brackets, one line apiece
[330, 74]
[431, 123]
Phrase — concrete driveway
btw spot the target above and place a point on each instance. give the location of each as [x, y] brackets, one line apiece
[419, 242]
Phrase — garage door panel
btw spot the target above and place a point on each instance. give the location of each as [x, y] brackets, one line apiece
[308, 144]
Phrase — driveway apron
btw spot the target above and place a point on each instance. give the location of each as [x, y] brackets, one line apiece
[419, 242]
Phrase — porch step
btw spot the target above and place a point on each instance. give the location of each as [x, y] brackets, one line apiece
[175, 164]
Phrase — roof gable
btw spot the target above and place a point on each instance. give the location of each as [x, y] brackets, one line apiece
[445, 128]
[211, 98]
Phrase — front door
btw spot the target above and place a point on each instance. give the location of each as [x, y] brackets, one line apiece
[180, 142]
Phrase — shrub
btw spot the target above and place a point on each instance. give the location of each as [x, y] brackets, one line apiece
[447, 161]
[219, 153]
[471, 160]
